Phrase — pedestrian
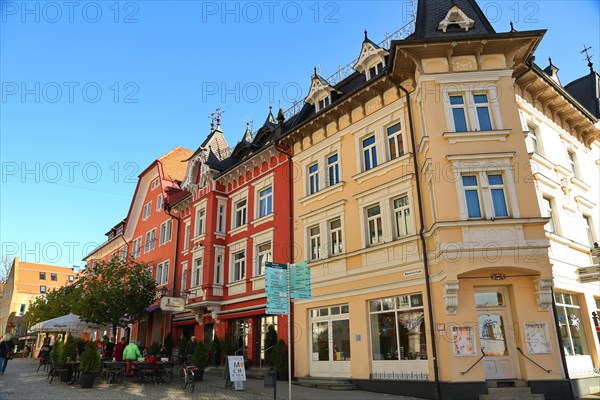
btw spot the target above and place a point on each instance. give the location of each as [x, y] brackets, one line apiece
[119, 347]
[190, 348]
[109, 348]
[131, 353]
[6, 351]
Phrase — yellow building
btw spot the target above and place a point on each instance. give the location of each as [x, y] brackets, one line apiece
[25, 282]
[417, 210]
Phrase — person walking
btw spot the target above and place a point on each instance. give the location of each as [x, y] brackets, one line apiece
[191, 347]
[6, 350]
[119, 348]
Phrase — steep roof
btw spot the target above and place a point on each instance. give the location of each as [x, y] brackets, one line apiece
[172, 165]
[431, 13]
[586, 90]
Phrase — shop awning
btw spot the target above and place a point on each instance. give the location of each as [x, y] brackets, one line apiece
[152, 308]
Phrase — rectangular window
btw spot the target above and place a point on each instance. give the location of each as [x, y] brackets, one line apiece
[533, 145]
[150, 240]
[374, 224]
[159, 202]
[240, 213]
[219, 269]
[136, 247]
[457, 105]
[166, 231]
[570, 321]
[159, 269]
[265, 202]
[71, 278]
[379, 68]
[42, 276]
[147, 211]
[483, 112]
[53, 277]
[239, 266]
[43, 289]
[471, 189]
[313, 179]
[22, 310]
[264, 255]
[335, 236]
[398, 328]
[165, 272]
[186, 237]
[372, 72]
[184, 276]
[404, 224]
[155, 184]
[333, 169]
[314, 239]
[200, 221]
[573, 164]
[548, 213]
[496, 184]
[369, 152]
[587, 223]
[197, 272]
[395, 143]
[221, 219]
[123, 254]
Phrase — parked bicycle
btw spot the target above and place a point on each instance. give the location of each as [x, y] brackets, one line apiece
[186, 375]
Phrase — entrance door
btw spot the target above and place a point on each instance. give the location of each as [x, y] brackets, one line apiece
[496, 336]
[330, 344]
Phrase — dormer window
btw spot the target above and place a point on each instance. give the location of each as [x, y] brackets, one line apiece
[375, 70]
[371, 60]
[456, 16]
[320, 93]
[323, 103]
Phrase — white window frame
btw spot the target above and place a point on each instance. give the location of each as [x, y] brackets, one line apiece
[159, 202]
[369, 149]
[166, 232]
[147, 210]
[150, 240]
[162, 273]
[533, 139]
[333, 169]
[588, 226]
[136, 247]
[200, 228]
[267, 200]
[262, 257]
[468, 90]
[549, 210]
[323, 103]
[221, 216]
[313, 178]
[219, 268]
[374, 219]
[241, 212]
[186, 235]
[238, 266]
[322, 218]
[394, 137]
[197, 270]
[184, 275]
[572, 160]
[314, 243]
[336, 238]
[155, 184]
[406, 216]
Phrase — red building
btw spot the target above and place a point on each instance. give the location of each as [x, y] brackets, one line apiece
[234, 217]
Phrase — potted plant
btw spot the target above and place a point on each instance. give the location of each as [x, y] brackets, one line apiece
[225, 349]
[80, 344]
[215, 349]
[280, 360]
[200, 360]
[90, 365]
[269, 344]
[168, 343]
[56, 349]
[68, 353]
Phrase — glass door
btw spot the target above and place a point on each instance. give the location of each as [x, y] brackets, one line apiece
[330, 342]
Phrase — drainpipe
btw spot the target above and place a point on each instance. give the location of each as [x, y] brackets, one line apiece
[291, 206]
[167, 210]
[422, 238]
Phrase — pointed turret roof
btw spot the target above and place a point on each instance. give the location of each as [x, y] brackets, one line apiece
[248, 133]
[431, 13]
[270, 121]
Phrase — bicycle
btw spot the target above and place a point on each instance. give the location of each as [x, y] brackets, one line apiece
[186, 376]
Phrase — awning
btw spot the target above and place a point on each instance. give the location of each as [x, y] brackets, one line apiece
[152, 308]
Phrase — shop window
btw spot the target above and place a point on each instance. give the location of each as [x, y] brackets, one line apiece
[570, 321]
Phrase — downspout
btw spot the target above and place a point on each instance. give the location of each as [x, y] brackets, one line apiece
[422, 238]
[291, 206]
[167, 210]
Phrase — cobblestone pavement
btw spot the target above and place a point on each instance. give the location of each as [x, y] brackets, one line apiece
[22, 382]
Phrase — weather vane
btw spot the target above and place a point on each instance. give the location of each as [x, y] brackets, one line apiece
[588, 57]
[216, 115]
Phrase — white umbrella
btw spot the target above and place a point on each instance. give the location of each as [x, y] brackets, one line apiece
[69, 322]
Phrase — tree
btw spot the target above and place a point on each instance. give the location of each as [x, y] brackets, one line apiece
[56, 303]
[115, 292]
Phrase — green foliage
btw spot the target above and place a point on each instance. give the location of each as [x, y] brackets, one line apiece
[56, 348]
[269, 344]
[200, 357]
[55, 304]
[106, 284]
[226, 349]
[154, 349]
[105, 340]
[80, 343]
[90, 359]
[168, 343]
[280, 356]
[69, 351]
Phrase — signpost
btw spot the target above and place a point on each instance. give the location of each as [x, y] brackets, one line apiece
[284, 282]
[589, 278]
[588, 274]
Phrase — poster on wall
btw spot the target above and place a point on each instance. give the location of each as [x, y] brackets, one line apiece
[536, 337]
[463, 340]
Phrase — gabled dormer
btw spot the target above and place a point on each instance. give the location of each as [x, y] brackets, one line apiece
[456, 16]
[320, 92]
[371, 61]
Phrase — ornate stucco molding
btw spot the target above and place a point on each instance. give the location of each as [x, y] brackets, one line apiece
[543, 293]
[451, 296]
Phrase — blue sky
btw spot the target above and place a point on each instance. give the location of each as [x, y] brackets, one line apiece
[93, 92]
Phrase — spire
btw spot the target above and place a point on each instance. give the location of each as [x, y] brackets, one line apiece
[588, 57]
[552, 71]
[248, 133]
[366, 37]
[270, 118]
[512, 28]
[215, 118]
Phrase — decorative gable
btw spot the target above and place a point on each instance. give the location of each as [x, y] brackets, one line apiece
[371, 59]
[320, 91]
[456, 16]
[198, 172]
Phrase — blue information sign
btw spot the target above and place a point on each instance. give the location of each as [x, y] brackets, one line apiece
[300, 281]
[276, 289]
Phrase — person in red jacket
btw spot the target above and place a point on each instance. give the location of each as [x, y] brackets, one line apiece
[119, 347]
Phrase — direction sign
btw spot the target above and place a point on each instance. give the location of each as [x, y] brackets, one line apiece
[269, 264]
[593, 269]
[589, 278]
[277, 290]
[300, 281]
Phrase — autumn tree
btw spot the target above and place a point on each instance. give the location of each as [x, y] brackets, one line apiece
[55, 304]
[115, 292]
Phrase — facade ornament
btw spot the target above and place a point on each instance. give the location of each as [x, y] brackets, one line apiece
[451, 296]
[543, 293]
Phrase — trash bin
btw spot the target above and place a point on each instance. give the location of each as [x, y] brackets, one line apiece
[270, 378]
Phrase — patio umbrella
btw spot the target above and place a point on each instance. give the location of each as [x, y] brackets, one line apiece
[69, 322]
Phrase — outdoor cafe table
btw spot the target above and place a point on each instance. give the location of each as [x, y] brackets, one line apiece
[112, 369]
[153, 370]
[73, 366]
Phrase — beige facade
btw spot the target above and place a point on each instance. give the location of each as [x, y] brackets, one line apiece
[27, 281]
[439, 251]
